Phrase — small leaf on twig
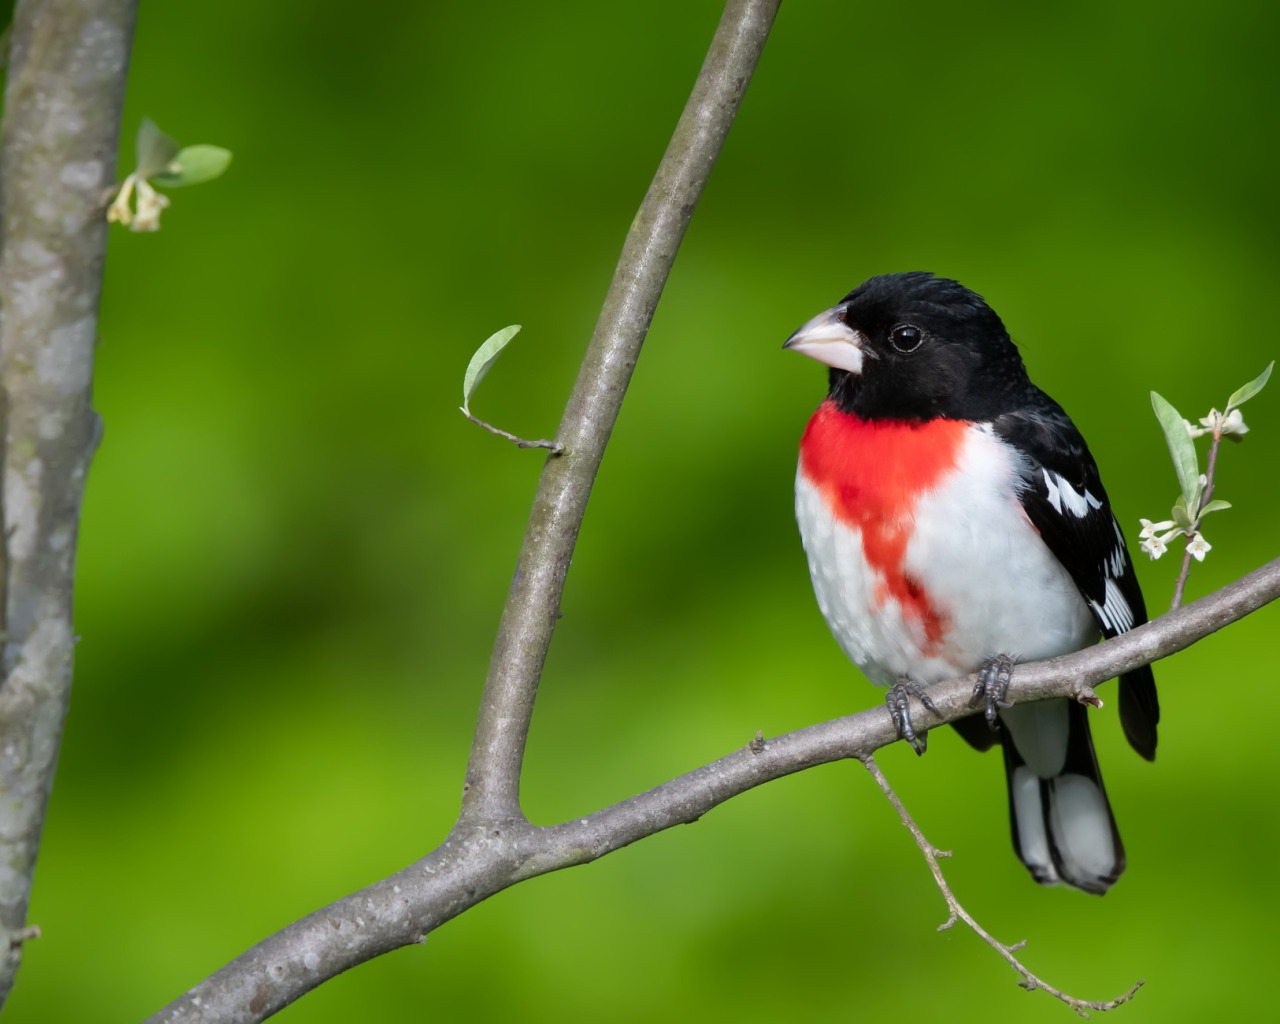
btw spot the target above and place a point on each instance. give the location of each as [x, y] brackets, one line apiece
[153, 149]
[1181, 447]
[1245, 392]
[1181, 518]
[1214, 506]
[486, 355]
[192, 165]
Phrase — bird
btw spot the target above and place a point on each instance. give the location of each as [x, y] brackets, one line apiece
[954, 522]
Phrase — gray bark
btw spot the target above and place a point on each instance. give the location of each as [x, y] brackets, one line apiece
[63, 100]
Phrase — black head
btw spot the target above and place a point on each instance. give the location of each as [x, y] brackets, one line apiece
[915, 347]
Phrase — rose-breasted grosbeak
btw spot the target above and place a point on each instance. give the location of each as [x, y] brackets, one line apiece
[955, 522]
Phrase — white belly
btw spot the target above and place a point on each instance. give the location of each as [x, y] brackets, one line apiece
[993, 584]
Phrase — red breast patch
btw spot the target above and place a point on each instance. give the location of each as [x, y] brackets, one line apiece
[871, 476]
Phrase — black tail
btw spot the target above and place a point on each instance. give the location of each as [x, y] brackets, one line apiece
[1063, 828]
[1140, 710]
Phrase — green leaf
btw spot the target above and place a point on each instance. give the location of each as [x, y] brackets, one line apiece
[192, 165]
[1179, 515]
[153, 149]
[1181, 448]
[1214, 506]
[1243, 394]
[486, 355]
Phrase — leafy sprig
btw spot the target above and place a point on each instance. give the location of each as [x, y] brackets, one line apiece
[481, 362]
[1195, 500]
[161, 162]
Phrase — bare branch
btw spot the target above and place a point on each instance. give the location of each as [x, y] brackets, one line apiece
[957, 912]
[477, 861]
[61, 124]
[533, 603]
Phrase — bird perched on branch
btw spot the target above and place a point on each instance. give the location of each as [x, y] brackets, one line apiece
[955, 522]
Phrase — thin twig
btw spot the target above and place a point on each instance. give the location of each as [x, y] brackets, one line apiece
[31, 931]
[555, 447]
[1205, 498]
[1181, 582]
[1029, 981]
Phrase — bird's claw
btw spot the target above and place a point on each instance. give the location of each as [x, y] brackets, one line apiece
[994, 676]
[898, 701]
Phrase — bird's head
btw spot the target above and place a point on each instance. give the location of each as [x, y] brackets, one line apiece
[914, 347]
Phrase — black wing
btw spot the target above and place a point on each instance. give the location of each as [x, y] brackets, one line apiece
[1065, 501]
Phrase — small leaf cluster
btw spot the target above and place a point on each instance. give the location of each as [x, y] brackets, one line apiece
[161, 162]
[1195, 500]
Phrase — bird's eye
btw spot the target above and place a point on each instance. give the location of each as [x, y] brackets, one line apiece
[906, 337]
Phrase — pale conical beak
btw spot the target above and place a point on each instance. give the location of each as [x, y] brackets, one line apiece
[829, 340]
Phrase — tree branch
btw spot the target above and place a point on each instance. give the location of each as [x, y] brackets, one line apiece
[533, 604]
[478, 860]
[63, 100]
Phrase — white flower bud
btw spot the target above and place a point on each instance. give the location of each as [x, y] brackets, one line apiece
[1198, 547]
[150, 203]
[1150, 529]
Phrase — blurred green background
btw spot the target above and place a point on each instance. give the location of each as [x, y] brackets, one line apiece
[295, 549]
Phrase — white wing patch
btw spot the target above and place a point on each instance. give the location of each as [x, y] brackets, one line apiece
[1113, 567]
[1065, 498]
[1114, 612]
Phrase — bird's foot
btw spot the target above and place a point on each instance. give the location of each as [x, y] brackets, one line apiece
[994, 676]
[898, 701]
